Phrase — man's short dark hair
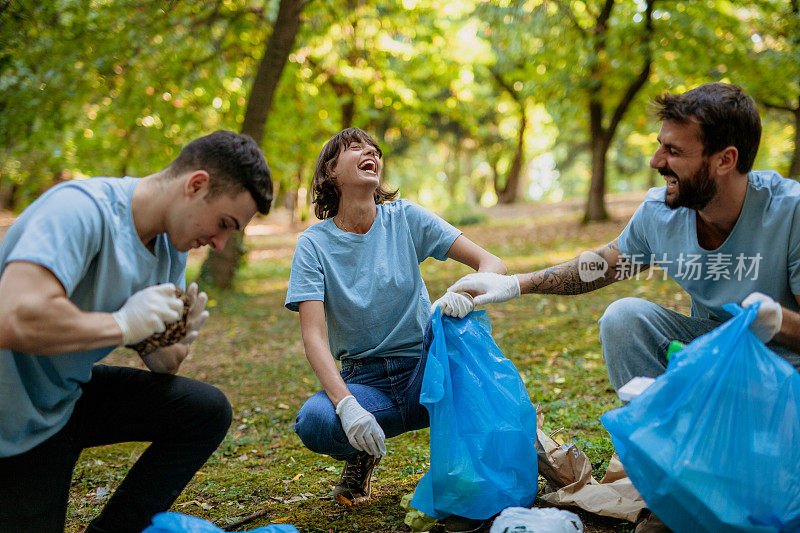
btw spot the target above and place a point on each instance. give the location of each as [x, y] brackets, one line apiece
[325, 190]
[725, 114]
[234, 163]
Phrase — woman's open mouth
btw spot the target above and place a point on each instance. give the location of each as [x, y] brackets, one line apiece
[368, 165]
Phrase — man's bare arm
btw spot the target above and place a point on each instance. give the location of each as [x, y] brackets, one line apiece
[566, 278]
[37, 317]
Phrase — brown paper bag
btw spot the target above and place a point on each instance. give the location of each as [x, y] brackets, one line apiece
[569, 474]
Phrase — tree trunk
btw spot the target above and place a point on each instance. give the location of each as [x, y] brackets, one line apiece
[794, 168]
[220, 268]
[595, 203]
[276, 53]
[510, 191]
[600, 136]
[342, 89]
[8, 192]
[297, 207]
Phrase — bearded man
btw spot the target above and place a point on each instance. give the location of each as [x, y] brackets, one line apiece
[723, 232]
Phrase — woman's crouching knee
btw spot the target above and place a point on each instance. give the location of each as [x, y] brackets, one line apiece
[316, 425]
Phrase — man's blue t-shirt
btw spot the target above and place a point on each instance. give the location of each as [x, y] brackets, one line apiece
[83, 232]
[762, 253]
[376, 304]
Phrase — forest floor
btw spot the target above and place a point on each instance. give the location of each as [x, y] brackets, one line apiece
[251, 348]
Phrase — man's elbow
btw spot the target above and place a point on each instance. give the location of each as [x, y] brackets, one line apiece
[12, 332]
[22, 326]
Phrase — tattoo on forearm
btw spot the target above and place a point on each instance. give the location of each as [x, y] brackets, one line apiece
[565, 278]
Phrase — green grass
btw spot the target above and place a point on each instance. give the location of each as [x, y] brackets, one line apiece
[252, 349]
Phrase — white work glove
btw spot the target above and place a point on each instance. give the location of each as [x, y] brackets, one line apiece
[493, 288]
[147, 311]
[197, 315]
[361, 428]
[769, 318]
[454, 304]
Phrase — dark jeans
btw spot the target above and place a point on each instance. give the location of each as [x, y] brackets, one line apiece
[183, 418]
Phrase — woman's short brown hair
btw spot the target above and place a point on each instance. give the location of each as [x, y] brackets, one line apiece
[325, 190]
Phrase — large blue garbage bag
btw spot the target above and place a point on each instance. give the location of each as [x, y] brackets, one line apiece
[181, 523]
[483, 425]
[714, 443]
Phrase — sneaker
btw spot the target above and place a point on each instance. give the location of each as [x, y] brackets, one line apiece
[355, 484]
[460, 524]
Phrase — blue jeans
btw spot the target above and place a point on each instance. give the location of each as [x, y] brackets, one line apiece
[635, 335]
[387, 387]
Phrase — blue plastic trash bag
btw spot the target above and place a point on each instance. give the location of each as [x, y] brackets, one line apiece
[181, 523]
[714, 443]
[483, 426]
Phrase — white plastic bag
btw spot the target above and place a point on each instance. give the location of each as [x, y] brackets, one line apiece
[547, 520]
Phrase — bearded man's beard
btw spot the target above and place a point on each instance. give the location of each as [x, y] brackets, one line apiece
[694, 192]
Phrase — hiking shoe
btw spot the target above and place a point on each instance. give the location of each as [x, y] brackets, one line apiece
[355, 484]
[460, 524]
[650, 523]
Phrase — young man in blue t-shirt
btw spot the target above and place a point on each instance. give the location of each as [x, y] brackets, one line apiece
[90, 265]
[723, 232]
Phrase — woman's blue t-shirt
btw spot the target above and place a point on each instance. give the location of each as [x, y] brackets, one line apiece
[376, 304]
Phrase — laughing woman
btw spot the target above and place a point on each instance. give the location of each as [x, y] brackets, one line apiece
[356, 282]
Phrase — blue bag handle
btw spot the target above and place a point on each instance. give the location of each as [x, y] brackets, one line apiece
[433, 385]
[736, 309]
[743, 316]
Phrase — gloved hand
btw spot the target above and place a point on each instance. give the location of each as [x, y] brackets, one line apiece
[147, 311]
[493, 288]
[454, 304]
[769, 318]
[197, 315]
[361, 428]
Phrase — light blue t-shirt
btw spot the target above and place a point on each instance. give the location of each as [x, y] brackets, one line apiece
[762, 253]
[83, 232]
[376, 304]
